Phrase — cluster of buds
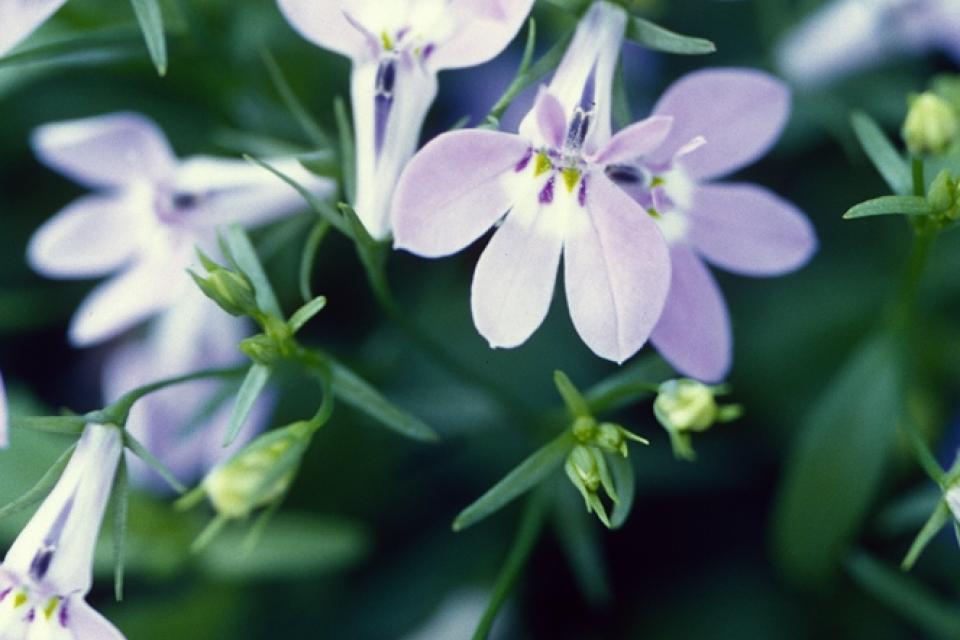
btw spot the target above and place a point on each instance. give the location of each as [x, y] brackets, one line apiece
[685, 407]
[931, 126]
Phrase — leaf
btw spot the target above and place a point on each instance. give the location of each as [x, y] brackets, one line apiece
[373, 255]
[937, 521]
[309, 257]
[310, 127]
[39, 491]
[253, 385]
[524, 477]
[835, 468]
[580, 542]
[151, 23]
[912, 600]
[144, 454]
[100, 46]
[358, 393]
[623, 480]
[64, 425]
[629, 384]
[655, 37]
[571, 396]
[244, 256]
[304, 314]
[882, 153]
[890, 205]
[120, 496]
[320, 207]
[347, 154]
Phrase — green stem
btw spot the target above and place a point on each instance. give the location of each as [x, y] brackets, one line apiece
[919, 184]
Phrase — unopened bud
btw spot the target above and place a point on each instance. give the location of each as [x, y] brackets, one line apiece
[942, 196]
[231, 291]
[931, 125]
[613, 438]
[687, 406]
[587, 470]
[261, 348]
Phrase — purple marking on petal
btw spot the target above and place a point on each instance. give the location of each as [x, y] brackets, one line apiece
[64, 616]
[524, 161]
[428, 50]
[582, 195]
[383, 100]
[5, 593]
[31, 615]
[546, 195]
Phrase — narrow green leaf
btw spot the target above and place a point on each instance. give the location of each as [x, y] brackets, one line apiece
[524, 477]
[571, 396]
[629, 384]
[372, 254]
[304, 314]
[40, 490]
[579, 540]
[108, 45]
[250, 390]
[311, 128]
[64, 425]
[150, 18]
[623, 479]
[940, 517]
[837, 464]
[120, 496]
[320, 207]
[527, 534]
[358, 393]
[309, 257]
[890, 205]
[347, 152]
[242, 253]
[144, 454]
[881, 152]
[655, 37]
[912, 600]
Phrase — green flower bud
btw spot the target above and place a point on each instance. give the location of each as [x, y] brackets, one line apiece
[588, 472]
[942, 196]
[261, 348]
[613, 438]
[931, 125]
[687, 406]
[584, 428]
[231, 291]
[259, 474]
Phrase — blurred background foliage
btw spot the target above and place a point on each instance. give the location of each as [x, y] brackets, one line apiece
[362, 548]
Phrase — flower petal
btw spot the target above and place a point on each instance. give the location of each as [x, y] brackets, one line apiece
[69, 518]
[4, 417]
[740, 112]
[550, 118]
[21, 17]
[617, 271]
[451, 192]
[325, 23]
[481, 30]
[92, 236]
[86, 624]
[693, 334]
[126, 300]
[746, 229]
[211, 192]
[105, 151]
[635, 141]
[515, 277]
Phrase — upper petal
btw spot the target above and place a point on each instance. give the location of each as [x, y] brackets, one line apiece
[740, 112]
[109, 150]
[635, 141]
[515, 277]
[617, 271]
[747, 229]
[550, 118]
[693, 333]
[21, 17]
[87, 624]
[451, 192]
[325, 23]
[90, 237]
[481, 30]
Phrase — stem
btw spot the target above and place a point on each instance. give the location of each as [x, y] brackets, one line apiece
[919, 184]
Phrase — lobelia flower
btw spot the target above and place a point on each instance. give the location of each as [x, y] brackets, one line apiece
[397, 48]
[547, 192]
[846, 36]
[48, 571]
[20, 18]
[723, 119]
[182, 425]
[147, 215]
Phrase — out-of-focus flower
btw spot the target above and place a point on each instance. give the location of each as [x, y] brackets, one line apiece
[4, 417]
[48, 571]
[684, 407]
[397, 47]
[19, 18]
[724, 119]
[546, 191]
[148, 213]
[931, 125]
[846, 36]
[183, 425]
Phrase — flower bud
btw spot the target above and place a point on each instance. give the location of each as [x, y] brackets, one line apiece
[261, 348]
[259, 474]
[231, 291]
[687, 406]
[942, 196]
[613, 438]
[931, 125]
[587, 470]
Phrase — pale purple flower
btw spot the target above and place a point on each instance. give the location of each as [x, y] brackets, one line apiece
[183, 425]
[148, 212]
[397, 48]
[846, 36]
[723, 119]
[19, 18]
[48, 572]
[547, 193]
[4, 417]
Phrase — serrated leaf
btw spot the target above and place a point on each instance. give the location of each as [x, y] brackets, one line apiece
[150, 18]
[881, 152]
[251, 388]
[242, 253]
[890, 205]
[835, 468]
[360, 394]
[655, 37]
[524, 477]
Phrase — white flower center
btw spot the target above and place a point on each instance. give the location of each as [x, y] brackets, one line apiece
[29, 615]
